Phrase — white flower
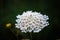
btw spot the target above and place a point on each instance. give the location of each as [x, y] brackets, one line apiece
[31, 21]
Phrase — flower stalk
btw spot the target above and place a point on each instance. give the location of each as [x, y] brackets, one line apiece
[30, 36]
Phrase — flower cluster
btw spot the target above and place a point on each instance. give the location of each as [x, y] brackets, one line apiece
[31, 21]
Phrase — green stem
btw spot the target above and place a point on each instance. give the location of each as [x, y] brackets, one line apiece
[13, 33]
[17, 31]
[30, 36]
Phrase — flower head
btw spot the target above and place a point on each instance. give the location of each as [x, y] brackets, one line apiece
[8, 25]
[31, 21]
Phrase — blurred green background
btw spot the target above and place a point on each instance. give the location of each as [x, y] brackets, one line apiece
[10, 8]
